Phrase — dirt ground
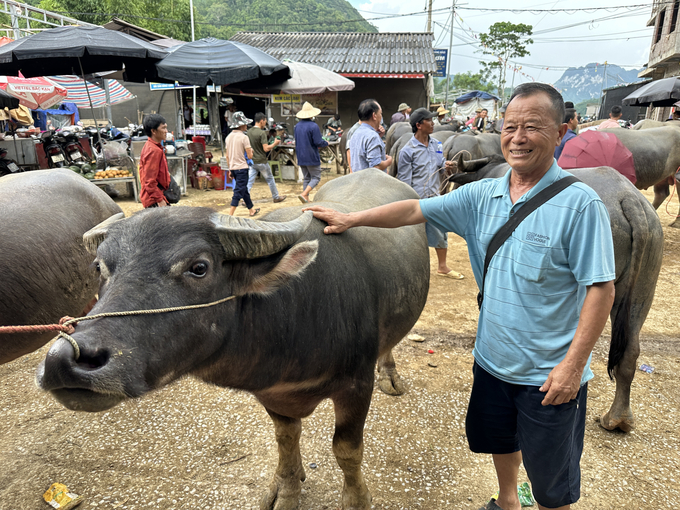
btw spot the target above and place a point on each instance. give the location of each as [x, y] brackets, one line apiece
[195, 446]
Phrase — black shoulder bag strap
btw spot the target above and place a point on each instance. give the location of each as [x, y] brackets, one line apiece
[506, 230]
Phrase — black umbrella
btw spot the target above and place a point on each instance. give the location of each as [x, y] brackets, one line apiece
[220, 62]
[8, 100]
[80, 50]
[665, 92]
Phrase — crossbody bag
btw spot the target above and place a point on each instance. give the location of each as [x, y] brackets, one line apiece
[508, 228]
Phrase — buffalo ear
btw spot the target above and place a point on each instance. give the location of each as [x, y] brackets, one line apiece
[292, 265]
[94, 237]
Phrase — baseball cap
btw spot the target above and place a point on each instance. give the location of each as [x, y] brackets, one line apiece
[420, 115]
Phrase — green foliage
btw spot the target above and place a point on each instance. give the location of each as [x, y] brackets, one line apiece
[504, 41]
[216, 18]
[226, 17]
[140, 13]
[471, 81]
[582, 106]
[463, 81]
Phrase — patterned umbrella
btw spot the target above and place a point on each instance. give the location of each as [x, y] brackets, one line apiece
[596, 148]
[33, 93]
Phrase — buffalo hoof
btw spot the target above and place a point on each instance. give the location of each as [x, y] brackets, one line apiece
[356, 500]
[283, 493]
[675, 224]
[625, 423]
[390, 382]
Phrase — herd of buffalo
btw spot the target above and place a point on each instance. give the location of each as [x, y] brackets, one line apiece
[310, 316]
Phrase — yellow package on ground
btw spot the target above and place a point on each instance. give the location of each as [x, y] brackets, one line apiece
[58, 496]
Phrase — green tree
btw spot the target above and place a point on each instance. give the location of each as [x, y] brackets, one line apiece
[469, 81]
[143, 13]
[504, 41]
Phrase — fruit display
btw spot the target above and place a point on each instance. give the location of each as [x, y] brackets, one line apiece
[112, 173]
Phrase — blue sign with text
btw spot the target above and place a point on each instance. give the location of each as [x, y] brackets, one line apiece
[440, 57]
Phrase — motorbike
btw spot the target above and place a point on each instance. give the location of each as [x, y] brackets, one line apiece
[7, 166]
[73, 149]
[56, 157]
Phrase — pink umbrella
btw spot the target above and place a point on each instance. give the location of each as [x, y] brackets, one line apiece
[596, 148]
[34, 93]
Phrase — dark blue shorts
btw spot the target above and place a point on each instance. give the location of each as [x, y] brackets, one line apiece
[506, 418]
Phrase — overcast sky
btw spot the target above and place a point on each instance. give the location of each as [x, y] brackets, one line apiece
[623, 39]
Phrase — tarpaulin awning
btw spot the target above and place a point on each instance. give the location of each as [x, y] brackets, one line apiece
[33, 93]
[78, 95]
[484, 96]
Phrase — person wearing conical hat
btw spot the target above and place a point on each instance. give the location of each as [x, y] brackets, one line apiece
[308, 141]
[441, 115]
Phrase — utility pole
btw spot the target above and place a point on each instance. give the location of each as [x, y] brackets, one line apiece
[604, 76]
[429, 16]
[448, 62]
[193, 38]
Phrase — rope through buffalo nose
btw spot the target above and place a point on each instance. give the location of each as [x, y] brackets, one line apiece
[66, 325]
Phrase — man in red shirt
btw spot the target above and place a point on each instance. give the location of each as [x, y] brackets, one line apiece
[153, 167]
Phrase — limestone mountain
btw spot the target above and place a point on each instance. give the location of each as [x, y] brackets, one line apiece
[587, 82]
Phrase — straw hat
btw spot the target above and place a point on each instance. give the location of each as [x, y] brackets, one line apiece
[307, 112]
[442, 111]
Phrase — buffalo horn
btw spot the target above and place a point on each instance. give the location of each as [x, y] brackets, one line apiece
[94, 237]
[243, 238]
[475, 164]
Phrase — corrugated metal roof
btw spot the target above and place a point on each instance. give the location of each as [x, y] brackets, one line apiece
[349, 52]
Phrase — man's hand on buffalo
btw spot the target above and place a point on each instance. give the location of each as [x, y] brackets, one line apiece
[337, 222]
[393, 215]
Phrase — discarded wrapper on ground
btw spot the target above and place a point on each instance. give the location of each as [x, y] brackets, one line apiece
[524, 494]
[58, 496]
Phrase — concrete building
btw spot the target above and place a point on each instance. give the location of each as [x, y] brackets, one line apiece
[664, 53]
[392, 68]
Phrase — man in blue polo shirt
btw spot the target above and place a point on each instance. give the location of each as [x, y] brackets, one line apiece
[548, 292]
[419, 164]
[366, 149]
[571, 120]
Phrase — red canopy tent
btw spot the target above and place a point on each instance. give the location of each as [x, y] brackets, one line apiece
[34, 93]
[596, 148]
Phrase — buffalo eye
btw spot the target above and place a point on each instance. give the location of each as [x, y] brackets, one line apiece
[199, 269]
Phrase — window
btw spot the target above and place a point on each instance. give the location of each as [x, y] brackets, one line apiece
[674, 16]
[659, 26]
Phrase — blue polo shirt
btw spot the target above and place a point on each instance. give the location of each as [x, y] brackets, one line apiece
[366, 149]
[419, 166]
[536, 282]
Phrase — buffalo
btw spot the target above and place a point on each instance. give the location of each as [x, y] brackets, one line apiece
[638, 250]
[656, 159]
[44, 266]
[310, 316]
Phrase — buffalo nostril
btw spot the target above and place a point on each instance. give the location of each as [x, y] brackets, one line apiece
[93, 361]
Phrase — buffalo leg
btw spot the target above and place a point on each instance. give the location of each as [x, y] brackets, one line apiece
[676, 222]
[351, 408]
[284, 490]
[661, 193]
[389, 380]
[620, 415]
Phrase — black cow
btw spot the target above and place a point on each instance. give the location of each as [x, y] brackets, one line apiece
[44, 266]
[638, 250]
[312, 315]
